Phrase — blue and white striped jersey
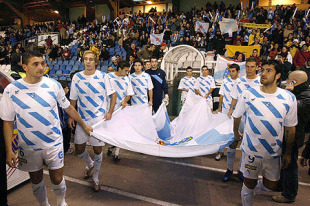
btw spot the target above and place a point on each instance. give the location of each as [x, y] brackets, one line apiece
[266, 116]
[122, 86]
[141, 84]
[242, 84]
[34, 106]
[225, 90]
[204, 85]
[91, 93]
[187, 83]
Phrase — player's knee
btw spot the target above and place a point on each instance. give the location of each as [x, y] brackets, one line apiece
[56, 180]
[271, 185]
[79, 149]
[250, 183]
[97, 150]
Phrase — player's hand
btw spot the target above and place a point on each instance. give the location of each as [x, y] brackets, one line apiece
[166, 99]
[229, 114]
[186, 90]
[11, 159]
[286, 161]
[207, 95]
[290, 86]
[303, 161]
[71, 123]
[108, 116]
[88, 129]
[217, 111]
[124, 104]
[151, 103]
[238, 136]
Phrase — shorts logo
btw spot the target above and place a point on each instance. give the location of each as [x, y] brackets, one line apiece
[60, 155]
[250, 167]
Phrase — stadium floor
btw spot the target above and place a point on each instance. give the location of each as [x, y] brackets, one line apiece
[140, 179]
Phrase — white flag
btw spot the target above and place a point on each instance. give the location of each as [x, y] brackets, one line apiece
[228, 25]
[204, 27]
[157, 39]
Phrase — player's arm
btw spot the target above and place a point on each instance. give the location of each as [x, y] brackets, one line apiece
[75, 115]
[124, 102]
[232, 106]
[220, 104]
[237, 134]
[108, 115]
[211, 90]
[71, 122]
[11, 157]
[151, 97]
[289, 133]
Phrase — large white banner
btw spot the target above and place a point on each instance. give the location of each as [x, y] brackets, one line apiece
[228, 25]
[221, 69]
[157, 39]
[196, 131]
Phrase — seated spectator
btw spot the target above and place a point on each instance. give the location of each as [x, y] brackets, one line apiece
[301, 57]
[119, 59]
[104, 54]
[66, 55]
[274, 51]
[114, 63]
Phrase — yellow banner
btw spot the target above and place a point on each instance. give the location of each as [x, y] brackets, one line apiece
[259, 26]
[246, 50]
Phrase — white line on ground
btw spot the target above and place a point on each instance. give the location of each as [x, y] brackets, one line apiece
[119, 192]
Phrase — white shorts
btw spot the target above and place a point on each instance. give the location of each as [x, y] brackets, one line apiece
[251, 167]
[81, 137]
[210, 103]
[32, 161]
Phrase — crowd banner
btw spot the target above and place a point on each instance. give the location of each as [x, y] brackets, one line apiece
[256, 26]
[195, 132]
[246, 50]
[228, 25]
[203, 27]
[221, 69]
[157, 39]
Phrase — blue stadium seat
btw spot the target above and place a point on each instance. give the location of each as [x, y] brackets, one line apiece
[66, 62]
[78, 63]
[54, 62]
[71, 62]
[52, 72]
[74, 57]
[63, 67]
[56, 67]
[104, 69]
[59, 62]
[59, 71]
[75, 68]
[69, 67]
[66, 72]
[62, 78]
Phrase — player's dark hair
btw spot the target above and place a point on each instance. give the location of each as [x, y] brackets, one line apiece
[251, 59]
[29, 54]
[236, 66]
[277, 66]
[122, 65]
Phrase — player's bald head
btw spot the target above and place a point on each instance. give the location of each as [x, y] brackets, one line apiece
[299, 76]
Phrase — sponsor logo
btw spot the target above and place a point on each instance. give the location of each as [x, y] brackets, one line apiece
[22, 160]
[250, 167]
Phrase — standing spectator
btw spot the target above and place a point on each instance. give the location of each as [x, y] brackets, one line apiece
[104, 54]
[49, 42]
[218, 43]
[146, 52]
[132, 50]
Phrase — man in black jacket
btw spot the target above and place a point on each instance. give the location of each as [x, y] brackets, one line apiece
[297, 83]
[218, 43]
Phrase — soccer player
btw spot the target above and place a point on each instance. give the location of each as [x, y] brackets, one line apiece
[270, 113]
[89, 91]
[121, 83]
[158, 77]
[187, 83]
[205, 85]
[225, 98]
[142, 85]
[32, 101]
[250, 80]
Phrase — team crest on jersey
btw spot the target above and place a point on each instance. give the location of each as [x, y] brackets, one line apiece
[60, 155]
[17, 91]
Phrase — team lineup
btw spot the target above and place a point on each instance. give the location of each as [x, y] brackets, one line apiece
[264, 117]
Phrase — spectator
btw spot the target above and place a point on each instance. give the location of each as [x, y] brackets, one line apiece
[146, 52]
[66, 55]
[301, 57]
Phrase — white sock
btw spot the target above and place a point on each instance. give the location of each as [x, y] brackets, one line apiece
[260, 188]
[97, 165]
[60, 192]
[231, 154]
[39, 191]
[246, 196]
[116, 153]
[85, 156]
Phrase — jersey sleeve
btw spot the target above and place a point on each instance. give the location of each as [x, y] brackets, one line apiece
[212, 83]
[7, 111]
[291, 117]
[62, 99]
[108, 85]
[129, 91]
[73, 90]
[221, 92]
[181, 84]
[241, 105]
[149, 83]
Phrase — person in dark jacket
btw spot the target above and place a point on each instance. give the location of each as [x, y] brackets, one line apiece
[158, 77]
[297, 83]
[218, 43]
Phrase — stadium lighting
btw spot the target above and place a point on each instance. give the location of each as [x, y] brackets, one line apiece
[57, 12]
[149, 2]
